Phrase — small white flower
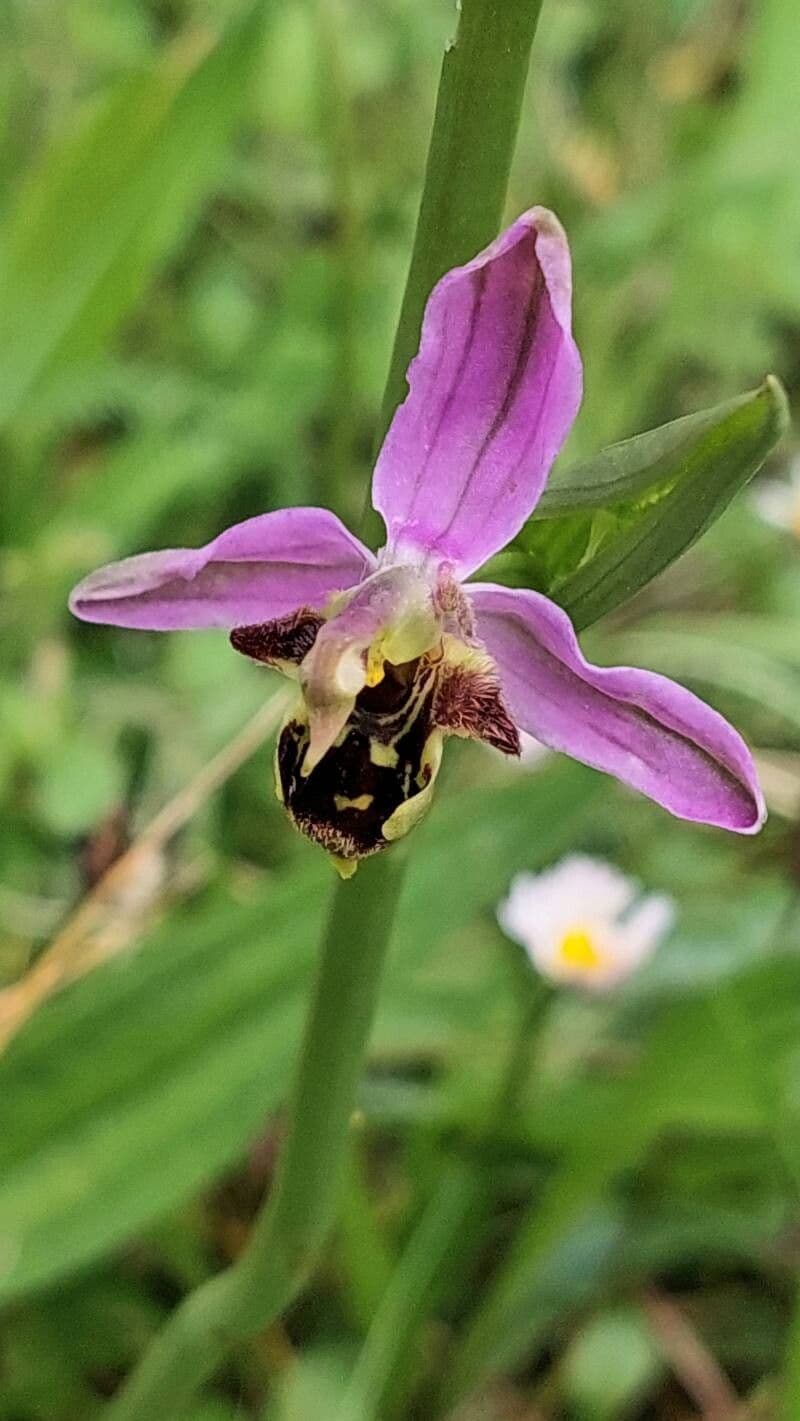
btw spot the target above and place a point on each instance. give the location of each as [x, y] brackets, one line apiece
[777, 501]
[584, 922]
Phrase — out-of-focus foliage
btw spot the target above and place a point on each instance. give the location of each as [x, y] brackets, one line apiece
[206, 212]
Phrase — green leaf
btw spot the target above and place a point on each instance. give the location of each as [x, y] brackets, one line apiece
[606, 527]
[389, 1347]
[310, 1385]
[183, 1049]
[659, 457]
[103, 207]
[710, 470]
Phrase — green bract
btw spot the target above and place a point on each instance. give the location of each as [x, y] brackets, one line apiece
[610, 524]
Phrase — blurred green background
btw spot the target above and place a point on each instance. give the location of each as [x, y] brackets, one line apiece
[207, 213]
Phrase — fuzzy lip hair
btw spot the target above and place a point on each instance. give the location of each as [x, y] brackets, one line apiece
[492, 393]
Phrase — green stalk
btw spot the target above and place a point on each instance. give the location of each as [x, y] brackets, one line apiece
[469, 160]
[477, 116]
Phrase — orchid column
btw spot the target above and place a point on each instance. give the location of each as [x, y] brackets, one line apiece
[475, 128]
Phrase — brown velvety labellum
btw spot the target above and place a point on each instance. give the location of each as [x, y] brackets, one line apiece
[376, 765]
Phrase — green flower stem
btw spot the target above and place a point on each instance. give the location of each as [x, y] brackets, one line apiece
[286, 1240]
[477, 116]
[476, 122]
[466, 177]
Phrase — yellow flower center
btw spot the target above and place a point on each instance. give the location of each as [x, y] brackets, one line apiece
[578, 948]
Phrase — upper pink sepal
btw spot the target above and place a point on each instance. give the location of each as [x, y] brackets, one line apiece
[492, 394]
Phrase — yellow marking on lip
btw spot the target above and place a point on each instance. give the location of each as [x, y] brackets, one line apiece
[376, 663]
[383, 755]
[410, 811]
[276, 773]
[363, 801]
[578, 949]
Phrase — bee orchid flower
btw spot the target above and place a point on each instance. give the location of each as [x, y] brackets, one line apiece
[394, 652]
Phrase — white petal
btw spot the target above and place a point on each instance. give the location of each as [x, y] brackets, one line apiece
[645, 928]
[540, 908]
[517, 913]
[590, 887]
[584, 895]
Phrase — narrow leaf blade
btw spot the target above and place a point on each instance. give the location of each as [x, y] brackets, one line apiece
[721, 460]
[102, 208]
[624, 471]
